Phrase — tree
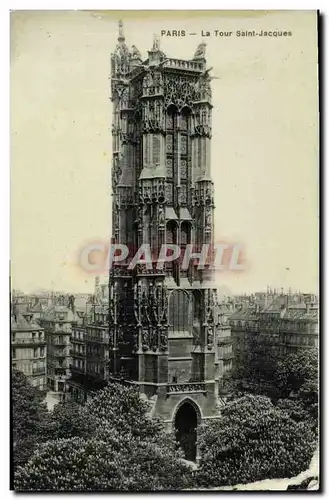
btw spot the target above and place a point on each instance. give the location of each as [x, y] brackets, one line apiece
[120, 407]
[256, 370]
[78, 464]
[69, 419]
[296, 370]
[253, 440]
[294, 408]
[29, 417]
[127, 450]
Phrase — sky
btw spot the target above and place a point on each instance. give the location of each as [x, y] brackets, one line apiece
[264, 146]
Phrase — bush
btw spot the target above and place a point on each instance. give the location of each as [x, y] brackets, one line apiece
[297, 370]
[127, 450]
[69, 419]
[253, 440]
[29, 417]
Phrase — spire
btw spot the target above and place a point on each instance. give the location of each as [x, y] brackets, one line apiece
[121, 37]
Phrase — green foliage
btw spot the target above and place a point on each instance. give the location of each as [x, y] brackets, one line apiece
[297, 379]
[112, 443]
[256, 370]
[264, 371]
[77, 464]
[253, 440]
[122, 408]
[297, 370]
[294, 408]
[124, 449]
[69, 419]
[29, 417]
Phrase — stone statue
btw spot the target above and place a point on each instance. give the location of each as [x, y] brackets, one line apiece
[200, 52]
[156, 42]
[135, 53]
[161, 218]
[208, 219]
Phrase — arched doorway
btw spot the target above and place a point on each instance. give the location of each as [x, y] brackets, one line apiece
[186, 422]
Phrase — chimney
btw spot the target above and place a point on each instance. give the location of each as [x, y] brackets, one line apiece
[71, 303]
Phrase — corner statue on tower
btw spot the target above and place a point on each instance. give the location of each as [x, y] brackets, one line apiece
[200, 52]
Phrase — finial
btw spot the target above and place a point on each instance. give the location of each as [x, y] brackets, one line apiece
[121, 37]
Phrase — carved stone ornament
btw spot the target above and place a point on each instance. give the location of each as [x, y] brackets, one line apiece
[180, 91]
[163, 339]
[208, 219]
[162, 220]
[210, 337]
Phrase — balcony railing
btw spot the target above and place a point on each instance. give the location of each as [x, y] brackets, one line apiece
[76, 340]
[146, 270]
[74, 368]
[226, 355]
[57, 366]
[39, 371]
[64, 329]
[76, 354]
[61, 342]
[224, 340]
[181, 64]
[98, 339]
[60, 354]
[29, 341]
[187, 387]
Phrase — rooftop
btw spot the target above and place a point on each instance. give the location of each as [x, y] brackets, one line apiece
[23, 322]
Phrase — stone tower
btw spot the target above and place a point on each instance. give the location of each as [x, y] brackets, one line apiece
[164, 328]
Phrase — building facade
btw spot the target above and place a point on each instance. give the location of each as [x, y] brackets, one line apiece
[285, 321]
[164, 333]
[89, 352]
[28, 348]
[77, 380]
[57, 321]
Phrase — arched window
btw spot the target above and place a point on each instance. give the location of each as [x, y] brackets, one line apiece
[197, 306]
[179, 311]
[185, 233]
[171, 149]
[138, 149]
[171, 239]
[171, 232]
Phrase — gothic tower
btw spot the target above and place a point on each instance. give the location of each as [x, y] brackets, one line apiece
[163, 322]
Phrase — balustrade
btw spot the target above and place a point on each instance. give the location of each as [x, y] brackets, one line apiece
[187, 387]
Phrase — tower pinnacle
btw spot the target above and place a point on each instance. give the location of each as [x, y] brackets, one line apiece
[121, 37]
